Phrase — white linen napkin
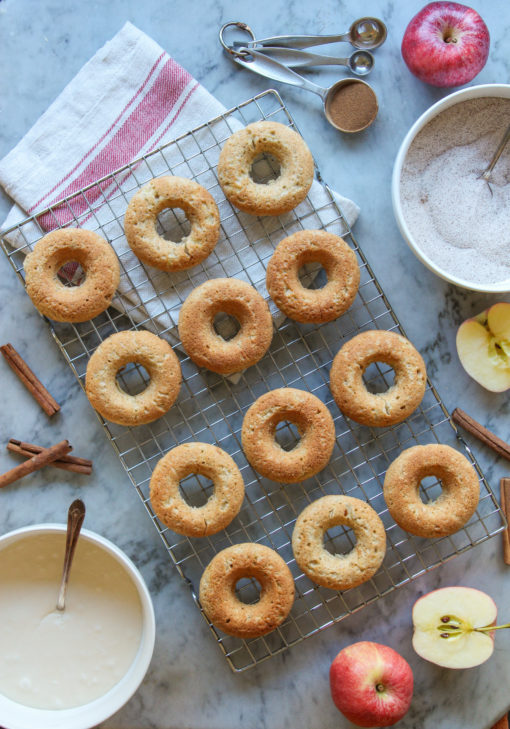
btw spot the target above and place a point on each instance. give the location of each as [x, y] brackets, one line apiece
[128, 100]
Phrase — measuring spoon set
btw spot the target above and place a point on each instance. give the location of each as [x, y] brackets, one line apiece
[276, 56]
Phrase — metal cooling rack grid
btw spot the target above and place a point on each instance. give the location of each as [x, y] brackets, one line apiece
[211, 408]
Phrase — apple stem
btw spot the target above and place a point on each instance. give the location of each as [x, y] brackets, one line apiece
[379, 688]
[489, 628]
[448, 36]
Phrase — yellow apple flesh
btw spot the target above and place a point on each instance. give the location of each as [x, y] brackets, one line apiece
[483, 346]
[444, 627]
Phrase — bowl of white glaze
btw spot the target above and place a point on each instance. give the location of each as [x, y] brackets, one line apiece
[109, 619]
[442, 228]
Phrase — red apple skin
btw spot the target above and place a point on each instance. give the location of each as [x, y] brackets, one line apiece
[446, 44]
[354, 676]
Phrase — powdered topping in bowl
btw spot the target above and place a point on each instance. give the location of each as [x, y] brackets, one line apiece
[450, 212]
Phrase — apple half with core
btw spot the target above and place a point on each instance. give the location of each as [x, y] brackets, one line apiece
[371, 684]
[454, 627]
[483, 346]
[446, 44]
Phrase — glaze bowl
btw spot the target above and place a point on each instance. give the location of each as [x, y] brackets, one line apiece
[472, 92]
[17, 716]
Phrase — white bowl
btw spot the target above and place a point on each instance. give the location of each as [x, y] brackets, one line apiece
[473, 92]
[16, 716]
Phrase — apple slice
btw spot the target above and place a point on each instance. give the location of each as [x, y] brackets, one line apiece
[483, 346]
[446, 624]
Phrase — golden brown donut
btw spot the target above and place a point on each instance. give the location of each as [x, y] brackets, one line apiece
[71, 303]
[451, 510]
[221, 604]
[315, 426]
[279, 195]
[339, 571]
[146, 349]
[385, 408]
[172, 192]
[222, 506]
[313, 305]
[208, 349]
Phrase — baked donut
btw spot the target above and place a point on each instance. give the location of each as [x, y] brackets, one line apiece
[277, 196]
[172, 192]
[451, 510]
[222, 506]
[385, 408]
[71, 303]
[315, 426]
[313, 305]
[146, 349]
[339, 571]
[220, 602]
[239, 300]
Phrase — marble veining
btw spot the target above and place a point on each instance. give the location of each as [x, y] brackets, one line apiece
[189, 684]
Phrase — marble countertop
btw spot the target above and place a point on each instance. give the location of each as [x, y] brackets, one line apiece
[189, 685]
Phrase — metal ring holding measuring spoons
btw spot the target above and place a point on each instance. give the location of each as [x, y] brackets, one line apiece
[270, 68]
[240, 26]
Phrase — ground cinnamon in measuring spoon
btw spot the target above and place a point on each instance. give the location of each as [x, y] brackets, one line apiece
[353, 106]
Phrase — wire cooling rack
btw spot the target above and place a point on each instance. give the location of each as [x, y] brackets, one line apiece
[210, 408]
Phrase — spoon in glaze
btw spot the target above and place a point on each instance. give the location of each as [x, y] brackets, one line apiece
[75, 517]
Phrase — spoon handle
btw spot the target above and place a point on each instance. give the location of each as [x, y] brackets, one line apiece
[75, 517]
[271, 68]
[497, 154]
[297, 59]
[297, 41]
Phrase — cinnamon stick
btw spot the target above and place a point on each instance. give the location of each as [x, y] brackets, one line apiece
[502, 723]
[47, 455]
[485, 436]
[28, 378]
[66, 463]
[504, 486]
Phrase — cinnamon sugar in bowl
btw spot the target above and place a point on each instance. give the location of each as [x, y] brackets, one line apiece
[451, 219]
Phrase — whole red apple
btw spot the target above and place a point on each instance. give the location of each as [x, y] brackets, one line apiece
[446, 44]
[371, 684]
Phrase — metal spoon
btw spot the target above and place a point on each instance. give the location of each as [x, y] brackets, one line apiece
[270, 68]
[75, 517]
[486, 174]
[365, 33]
[359, 62]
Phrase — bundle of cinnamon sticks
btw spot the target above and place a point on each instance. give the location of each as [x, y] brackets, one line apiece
[38, 457]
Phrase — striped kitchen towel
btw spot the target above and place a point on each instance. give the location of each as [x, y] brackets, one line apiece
[128, 100]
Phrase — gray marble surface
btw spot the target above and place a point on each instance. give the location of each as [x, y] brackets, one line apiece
[43, 43]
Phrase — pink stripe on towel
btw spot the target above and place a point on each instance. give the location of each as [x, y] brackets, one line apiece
[144, 121]
[103, 137]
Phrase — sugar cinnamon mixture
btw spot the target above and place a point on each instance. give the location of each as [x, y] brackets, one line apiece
[451, 214]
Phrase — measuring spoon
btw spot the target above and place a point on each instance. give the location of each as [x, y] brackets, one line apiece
[365, 33]
[270, 68]
[359, 62]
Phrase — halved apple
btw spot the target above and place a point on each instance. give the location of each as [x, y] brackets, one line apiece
[483, 346]
[452, 627]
